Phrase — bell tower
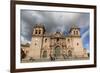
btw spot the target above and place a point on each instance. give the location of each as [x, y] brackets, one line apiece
[38, 30]
[37, 39]
[75, 31]
[76, 41]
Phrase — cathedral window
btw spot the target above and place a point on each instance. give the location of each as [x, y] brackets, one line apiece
[45, 40]
[74, 32]
[57, 39]
[39, 31]
[77, 44]
[77, 32]
[35, 44]
[68, 40]
[36, 32]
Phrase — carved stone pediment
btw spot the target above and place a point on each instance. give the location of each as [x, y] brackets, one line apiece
[57, 35]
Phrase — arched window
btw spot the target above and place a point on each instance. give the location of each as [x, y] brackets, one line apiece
[68, 40]
[35, 44]
[77, 32]
[77, 44]
[39, 31]
[45, 40]
[44, 54]
[36, 31]
[69, 53]
[57, 39]
[74, 32]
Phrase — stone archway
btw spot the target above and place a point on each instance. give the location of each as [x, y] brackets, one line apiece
[44, 54]
[57, 52]
[69, 53]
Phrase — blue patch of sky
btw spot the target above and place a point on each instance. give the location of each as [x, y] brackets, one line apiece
[86, 39]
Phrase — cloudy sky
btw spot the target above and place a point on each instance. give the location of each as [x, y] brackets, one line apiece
[54, 21]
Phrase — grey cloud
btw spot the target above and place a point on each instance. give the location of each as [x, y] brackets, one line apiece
[53, 21]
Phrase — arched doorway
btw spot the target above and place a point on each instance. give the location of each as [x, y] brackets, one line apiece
[69, 53]
[57, 52]
[44, 54]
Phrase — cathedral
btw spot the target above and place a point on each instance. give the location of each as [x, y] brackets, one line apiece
[56, 45]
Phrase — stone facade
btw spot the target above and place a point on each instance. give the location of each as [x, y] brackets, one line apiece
[55, 45]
